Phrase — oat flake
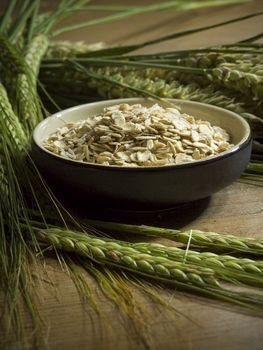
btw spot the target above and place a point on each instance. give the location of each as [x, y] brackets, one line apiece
[134, 135]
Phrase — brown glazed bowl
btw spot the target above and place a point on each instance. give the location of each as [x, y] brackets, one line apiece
[144, 187]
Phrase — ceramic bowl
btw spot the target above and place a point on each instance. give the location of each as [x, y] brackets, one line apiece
[144, 187]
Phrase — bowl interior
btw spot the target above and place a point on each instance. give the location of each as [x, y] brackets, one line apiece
[235, 125]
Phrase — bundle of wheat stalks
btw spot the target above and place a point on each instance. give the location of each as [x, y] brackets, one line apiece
[229, 76]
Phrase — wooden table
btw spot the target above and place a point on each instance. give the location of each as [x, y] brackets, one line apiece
[194, 323]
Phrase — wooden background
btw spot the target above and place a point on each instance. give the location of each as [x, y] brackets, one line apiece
[196, 323]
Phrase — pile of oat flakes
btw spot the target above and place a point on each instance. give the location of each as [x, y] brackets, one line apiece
[134, 135]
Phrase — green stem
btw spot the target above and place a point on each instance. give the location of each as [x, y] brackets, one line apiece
[131, 12]
[149, 8]
[192, 31]
[32, 21]
[63, 10]
[109, 62]
[112, 81]
[134, 229]
[7, 14]
[251, 39]
[182, 5]
[21, 21]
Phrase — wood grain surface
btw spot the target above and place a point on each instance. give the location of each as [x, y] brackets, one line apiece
[194, 323]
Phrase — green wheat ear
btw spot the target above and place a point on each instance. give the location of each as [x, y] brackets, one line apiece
[114, 254]
[211, 240]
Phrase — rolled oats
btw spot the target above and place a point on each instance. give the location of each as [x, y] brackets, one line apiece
[134, 135]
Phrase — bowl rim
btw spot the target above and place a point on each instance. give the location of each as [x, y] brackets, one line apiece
[240, 145]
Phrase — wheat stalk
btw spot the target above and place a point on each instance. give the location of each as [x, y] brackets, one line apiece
[197, 238]
[205, 258]
[242, 269]
[26, 85]
[111, 253]
[155, 85]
